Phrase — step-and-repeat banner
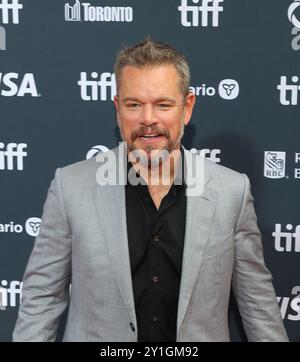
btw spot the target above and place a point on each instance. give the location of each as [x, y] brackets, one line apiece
[56, 91]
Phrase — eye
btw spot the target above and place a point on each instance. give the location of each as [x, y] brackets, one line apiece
[164, 105]
[133, 105]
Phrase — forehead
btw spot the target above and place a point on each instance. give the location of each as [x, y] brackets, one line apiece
[157, 79]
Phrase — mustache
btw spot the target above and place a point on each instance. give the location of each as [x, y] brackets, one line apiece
[153, 129]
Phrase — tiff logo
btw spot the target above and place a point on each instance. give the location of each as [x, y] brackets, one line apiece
[2, 38]
[207, 7]
[73, 13]
[284, 240]
[8, 295]
[95, 89]
[274, 166]
[10, 7]
[288, 89]
[13, 152]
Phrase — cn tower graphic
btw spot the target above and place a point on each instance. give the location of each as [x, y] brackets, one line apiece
[73, 13]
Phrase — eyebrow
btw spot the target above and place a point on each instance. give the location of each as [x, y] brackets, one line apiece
[163, 99]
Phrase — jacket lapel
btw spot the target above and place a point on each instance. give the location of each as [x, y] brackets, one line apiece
[199, 216]
[111, 198]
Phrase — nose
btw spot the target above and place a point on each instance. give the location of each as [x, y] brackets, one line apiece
[148, 116]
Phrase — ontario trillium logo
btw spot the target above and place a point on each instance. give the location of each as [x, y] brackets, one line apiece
[229, 89]
[32, 226]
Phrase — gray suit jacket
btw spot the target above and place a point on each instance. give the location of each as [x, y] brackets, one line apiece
[83, 242]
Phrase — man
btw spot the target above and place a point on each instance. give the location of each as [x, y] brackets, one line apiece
[152, 260]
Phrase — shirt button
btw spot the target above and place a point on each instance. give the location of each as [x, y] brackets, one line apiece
[155, 279]
[154, 319]
[156, 237]
[132, 326]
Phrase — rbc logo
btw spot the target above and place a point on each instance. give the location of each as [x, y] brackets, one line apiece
[274, 164]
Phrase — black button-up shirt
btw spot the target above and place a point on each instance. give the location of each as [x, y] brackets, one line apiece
[156, 239]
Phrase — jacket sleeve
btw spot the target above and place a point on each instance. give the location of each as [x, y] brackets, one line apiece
[46, 281]
[252, 281]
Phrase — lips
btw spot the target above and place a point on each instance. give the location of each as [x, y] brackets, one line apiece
[153, 135]
[150, 137]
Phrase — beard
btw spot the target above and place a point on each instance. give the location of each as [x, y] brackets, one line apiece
[149, 155]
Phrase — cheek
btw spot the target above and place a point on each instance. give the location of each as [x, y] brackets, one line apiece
[129, 117]
[128, 124]
[173, 124]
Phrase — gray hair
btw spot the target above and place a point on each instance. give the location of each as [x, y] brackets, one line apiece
[150, 54]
